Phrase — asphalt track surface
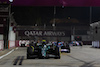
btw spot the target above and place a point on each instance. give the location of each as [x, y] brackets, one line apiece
[85, 56]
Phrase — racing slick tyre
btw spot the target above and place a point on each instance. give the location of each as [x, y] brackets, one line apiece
[29, 50]
[57, 52]
[68, 51]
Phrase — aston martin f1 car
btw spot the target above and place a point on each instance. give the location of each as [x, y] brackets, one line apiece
[42, 50]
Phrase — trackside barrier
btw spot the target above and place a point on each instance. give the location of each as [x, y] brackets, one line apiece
[11, 44]
[23, 42]
[1, 45]
[17, 43]
[87, 42]
[96, 44]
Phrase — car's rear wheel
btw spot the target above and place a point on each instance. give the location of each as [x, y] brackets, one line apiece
[57, 53]
[29, 50]
[68, 51]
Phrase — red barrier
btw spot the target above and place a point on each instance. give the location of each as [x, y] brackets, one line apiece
[17, 43]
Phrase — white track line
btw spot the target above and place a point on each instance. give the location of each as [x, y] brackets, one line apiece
[7, 53]
[16, 48]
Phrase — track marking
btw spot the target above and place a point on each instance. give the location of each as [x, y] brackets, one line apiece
[6, 54]
[20, 63]
[16, 60]
[19, 60]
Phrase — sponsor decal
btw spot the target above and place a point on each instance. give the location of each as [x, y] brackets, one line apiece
[43, 33]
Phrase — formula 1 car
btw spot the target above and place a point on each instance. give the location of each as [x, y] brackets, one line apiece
[40, 50]
[74, 43]
[65, 48]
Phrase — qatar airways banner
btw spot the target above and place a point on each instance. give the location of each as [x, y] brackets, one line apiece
[47, 33]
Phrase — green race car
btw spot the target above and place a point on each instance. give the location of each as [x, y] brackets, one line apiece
[42, 50]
